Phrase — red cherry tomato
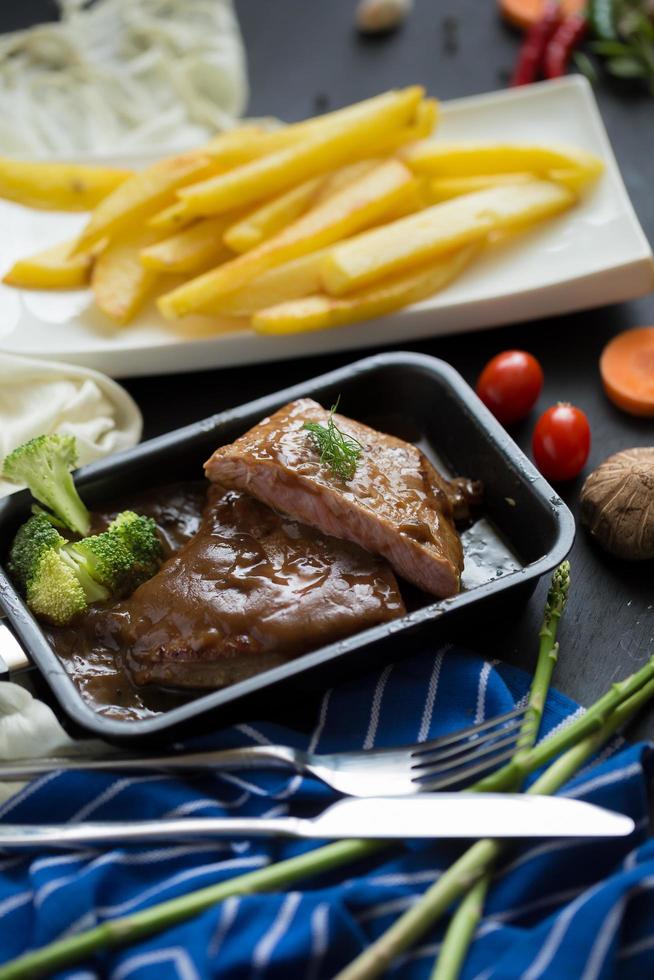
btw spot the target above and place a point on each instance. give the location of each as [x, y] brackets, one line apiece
[510, 385]
[561, 442]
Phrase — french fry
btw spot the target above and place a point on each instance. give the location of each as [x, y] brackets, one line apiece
[356, 206]
[58, 186]
[439, 229]
[577, 180]
[334, 182]
[257, 143]
[120, 282]
[271, 217]
[235, 146]
[53, 268]
[276, 214]
[424, 124]
[189, 250]
[171, 219]
[141, 195]
[176, 216]
[439, 189]
[443, 188]
[319, 152]
[299, 277]
[320, 312]
[433, 158]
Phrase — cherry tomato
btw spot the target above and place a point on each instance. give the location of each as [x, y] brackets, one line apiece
[510, 385]
[561, 442]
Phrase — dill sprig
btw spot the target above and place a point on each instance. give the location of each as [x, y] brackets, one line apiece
[340, 451]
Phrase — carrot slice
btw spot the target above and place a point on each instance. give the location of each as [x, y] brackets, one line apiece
[627, 369]
[524, 13]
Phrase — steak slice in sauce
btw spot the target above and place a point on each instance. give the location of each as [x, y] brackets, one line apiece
[396, 505]
[249, 591]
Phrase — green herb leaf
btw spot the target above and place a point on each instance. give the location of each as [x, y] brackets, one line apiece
[626, 67]
[338, 450]
[585, 66]
[611, 49]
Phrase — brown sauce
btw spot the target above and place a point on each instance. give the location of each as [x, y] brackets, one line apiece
[86, 648]
[94, 658]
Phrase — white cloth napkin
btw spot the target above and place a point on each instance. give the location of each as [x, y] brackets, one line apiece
[44, 397]
[121, 76]
[29, 730]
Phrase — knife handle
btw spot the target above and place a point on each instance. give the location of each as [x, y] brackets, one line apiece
[34, 836]
[12, 656]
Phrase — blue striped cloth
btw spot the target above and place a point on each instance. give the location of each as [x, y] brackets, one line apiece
[562, 909]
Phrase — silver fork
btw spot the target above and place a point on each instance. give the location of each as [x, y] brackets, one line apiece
[453, 760]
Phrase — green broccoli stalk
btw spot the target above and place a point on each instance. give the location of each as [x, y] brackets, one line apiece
[45, 465]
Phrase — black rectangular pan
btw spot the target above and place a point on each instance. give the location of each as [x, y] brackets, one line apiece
[413, 396]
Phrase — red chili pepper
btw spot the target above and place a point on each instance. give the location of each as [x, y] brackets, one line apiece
[535, 44]
[564, 40]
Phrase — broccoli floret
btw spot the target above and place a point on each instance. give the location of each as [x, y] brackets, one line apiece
[55, 588]
[106, 560]
[60, 578]
[33, 540]
[140, 537]
[44, 464]
[55, 593]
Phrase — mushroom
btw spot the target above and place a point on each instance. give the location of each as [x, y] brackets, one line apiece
[617, 504]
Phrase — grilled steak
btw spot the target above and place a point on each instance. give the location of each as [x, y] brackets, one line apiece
[250, 591]
[396, 504]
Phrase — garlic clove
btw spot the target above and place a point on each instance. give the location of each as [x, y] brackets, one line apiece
[379, 16]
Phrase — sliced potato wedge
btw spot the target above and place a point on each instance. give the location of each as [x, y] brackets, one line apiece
[319, 152]
[444, 188]
[434, 158]
[120, 282]
[319, 312]
[299, 277]
[439, 229]
[276, 214]
[576, 179]
[422, 126]
[58, 186]
[143, 194]
[189, 250]
[54, 268]
[356, 206]
[335, 181]
[262, 142]
[272, 216]
[171, 219]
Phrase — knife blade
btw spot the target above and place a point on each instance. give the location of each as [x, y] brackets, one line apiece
[430, 815]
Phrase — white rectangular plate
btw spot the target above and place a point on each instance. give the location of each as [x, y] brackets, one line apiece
[593, 255]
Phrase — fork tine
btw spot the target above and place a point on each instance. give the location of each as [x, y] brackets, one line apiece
[433, 756]
[461, 761]
[463, 733]
[465, 775]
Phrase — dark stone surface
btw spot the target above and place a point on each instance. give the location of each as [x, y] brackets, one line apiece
[306, 57]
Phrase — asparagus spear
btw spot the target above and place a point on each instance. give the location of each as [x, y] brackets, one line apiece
[477, 861]
[460, 932]
[129, 928]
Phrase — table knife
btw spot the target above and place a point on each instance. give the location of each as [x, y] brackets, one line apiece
[430, 815]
